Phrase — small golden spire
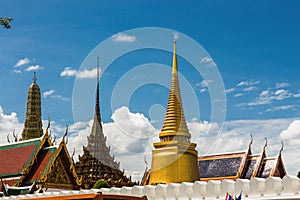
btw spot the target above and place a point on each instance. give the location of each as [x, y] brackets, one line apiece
[175, 124]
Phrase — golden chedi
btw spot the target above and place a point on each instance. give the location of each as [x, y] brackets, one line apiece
[174, 158]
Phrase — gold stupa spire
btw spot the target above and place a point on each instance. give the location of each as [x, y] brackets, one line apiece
[174, 158]
[175, 124]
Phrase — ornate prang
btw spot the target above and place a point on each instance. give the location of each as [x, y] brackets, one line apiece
[33, 121]
[96, 162]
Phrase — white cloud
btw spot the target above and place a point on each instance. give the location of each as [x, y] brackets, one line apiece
[22, 62]
[8, 123]
[205, 83]
[268, 96]
[251, 88]
[33, 68]
[203, 90]
[48, 93]
[206, 59]
[227, 91]
[238, 95]
[17, 71]
[281, 85]
[121, 37]
[280, 108]
[68, 71]
[296, 95]
[247, 83]
[175, 35]
[292, 132]
[85, 73]
[58, 96]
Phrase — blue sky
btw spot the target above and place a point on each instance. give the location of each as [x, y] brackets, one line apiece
[254, 44]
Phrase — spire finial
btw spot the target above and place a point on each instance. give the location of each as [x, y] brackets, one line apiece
[97, 117]
[174, 65]
[34, 76]
[98, 69]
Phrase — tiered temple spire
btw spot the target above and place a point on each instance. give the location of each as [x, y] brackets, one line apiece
[97, 141]
[33, 122]
[96, 162]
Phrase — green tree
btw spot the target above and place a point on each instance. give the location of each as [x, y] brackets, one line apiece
[101, 184]
[298, 175]
[5, 22]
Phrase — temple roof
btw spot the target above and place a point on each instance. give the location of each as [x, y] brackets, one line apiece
[17, 156]
[221, 166]
[25, 162]
[46, 158]
[240, 165]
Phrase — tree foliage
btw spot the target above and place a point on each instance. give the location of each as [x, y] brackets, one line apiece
[298, 175]
[101, 184]
[5, 22]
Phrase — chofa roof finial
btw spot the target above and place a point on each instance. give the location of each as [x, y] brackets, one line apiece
[48, 125]
[281, 149]
[66, 132]
[266, 144]
[251, 141]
